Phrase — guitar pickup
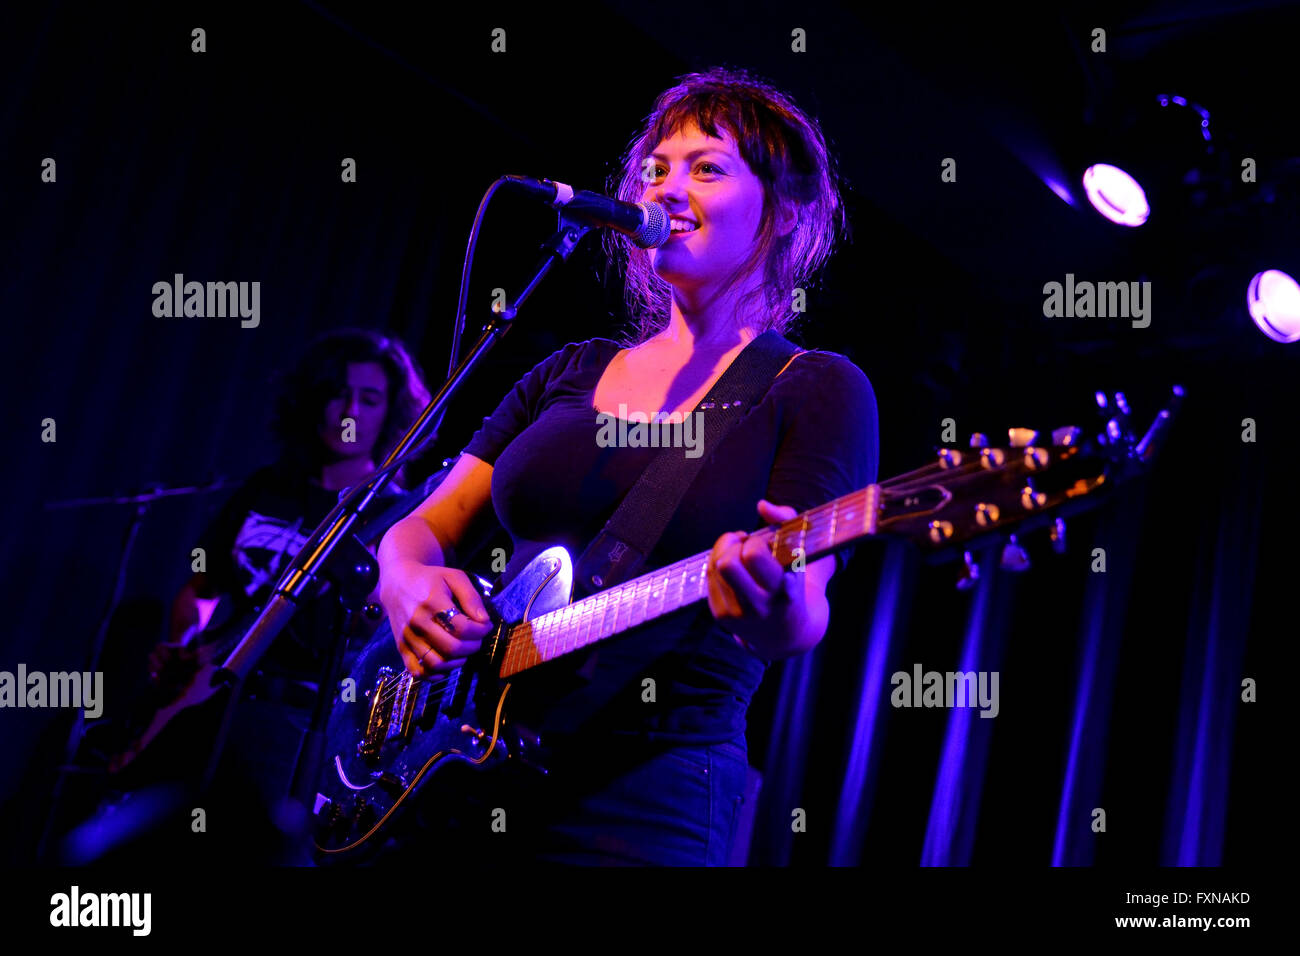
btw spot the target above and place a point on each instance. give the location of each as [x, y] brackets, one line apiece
[381, 712]
[403, 691]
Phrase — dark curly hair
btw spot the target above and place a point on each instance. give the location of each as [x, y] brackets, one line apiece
[319, 375]
[783, 147]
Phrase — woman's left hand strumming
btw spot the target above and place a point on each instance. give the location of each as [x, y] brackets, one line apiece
[773, 612]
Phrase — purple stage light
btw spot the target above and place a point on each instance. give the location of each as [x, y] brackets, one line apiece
[1115, 194]
[1274, 303]
[1059, 189]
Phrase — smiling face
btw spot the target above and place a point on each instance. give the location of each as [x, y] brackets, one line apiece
[705, 180]
[364, 398]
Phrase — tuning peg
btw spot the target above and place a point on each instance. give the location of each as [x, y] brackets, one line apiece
[940, 531]
[1014, 557]
[979, 440]
[968, 574]
[1031, 497]
[1066, 435]
[1020, 437]
[1057, 534]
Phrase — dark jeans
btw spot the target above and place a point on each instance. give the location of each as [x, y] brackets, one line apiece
[606, 806]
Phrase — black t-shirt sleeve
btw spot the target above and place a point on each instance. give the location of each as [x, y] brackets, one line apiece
[218, 538]
[520, 406]
[831, 443]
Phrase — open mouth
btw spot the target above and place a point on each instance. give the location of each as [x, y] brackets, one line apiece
[682, 227]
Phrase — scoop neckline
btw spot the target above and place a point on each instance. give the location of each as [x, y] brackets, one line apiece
[619, 349]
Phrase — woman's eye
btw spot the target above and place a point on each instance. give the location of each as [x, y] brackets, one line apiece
[704, 166]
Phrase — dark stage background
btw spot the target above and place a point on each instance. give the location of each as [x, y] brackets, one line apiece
[1119, 691]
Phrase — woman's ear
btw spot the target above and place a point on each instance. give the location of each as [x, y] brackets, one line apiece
[787, 217]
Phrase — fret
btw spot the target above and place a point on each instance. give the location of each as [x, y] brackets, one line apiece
[835, 507]
[588, 620]
[609, 606]
[556, 638]
[637, 610]
[658, 592]
[597, 616]
[582, 625]
[698, 578]
[569, 634]
[573, 632]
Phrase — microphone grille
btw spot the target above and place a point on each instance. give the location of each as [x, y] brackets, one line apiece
[655, 228]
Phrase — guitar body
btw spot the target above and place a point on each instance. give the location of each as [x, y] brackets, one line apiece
[174, 706]
[390, 734]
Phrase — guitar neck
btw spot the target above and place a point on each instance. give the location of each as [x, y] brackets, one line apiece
[804, 538]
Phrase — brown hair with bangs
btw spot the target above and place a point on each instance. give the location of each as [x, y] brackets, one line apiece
[783, 147]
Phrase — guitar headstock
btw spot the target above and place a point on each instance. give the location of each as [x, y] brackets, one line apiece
[982, 489]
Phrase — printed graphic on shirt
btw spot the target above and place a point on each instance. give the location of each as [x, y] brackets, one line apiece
[263, 546]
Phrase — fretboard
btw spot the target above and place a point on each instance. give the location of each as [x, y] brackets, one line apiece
[799, 541]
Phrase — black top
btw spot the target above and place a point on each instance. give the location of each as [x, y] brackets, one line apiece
[251, 541]
[812, 438]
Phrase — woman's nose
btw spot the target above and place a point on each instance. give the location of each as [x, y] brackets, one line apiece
[670, 192]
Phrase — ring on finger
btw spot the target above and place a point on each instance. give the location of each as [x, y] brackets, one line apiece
[444, 617]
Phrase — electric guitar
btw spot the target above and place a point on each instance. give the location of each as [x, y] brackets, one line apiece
[393, 732]
[175, 707]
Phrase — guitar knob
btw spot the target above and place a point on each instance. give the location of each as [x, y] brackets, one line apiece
[986, 514]
[1057, 535]
[1036, 458]
[949, 457]
[1014, 557]
[992, 458]
[364, 815]
[373, 612]
[979, 440]
[1020, 437]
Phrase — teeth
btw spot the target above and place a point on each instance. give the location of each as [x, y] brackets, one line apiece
[681, 225]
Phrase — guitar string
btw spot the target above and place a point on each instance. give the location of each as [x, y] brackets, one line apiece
[896, 484]
[892, 484]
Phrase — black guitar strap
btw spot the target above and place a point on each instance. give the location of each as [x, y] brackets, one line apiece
[621, 548]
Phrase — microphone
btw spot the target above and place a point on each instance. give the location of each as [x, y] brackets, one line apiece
[646, 222]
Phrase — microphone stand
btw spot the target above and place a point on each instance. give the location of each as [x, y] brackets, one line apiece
[302, 578]
[142, 503]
